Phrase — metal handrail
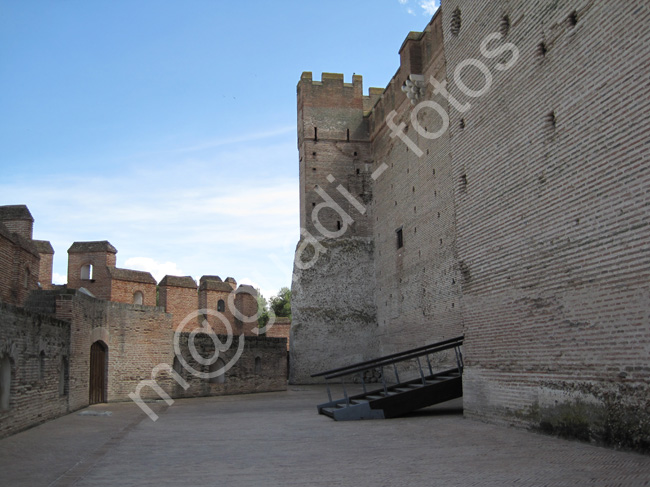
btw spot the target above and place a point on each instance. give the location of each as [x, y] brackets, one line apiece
[382, 363]
[393, 358]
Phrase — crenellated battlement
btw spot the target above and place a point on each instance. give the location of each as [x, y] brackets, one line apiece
[420, 53]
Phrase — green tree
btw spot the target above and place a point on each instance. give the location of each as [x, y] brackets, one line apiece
[281, 303]
[262, 309]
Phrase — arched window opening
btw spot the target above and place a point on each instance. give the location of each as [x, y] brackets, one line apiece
[221, 378]
[28, 274]
[87, 272]
[64, 377]
[138, 297]
[5, 381]
[221, 306]
[41, 365]
[258, 366]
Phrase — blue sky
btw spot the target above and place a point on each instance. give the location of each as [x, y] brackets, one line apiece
[169, 127]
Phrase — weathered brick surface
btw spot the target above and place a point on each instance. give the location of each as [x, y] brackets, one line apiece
[418, 285]
[281, 328]
[124, 291]
[225, 306]
[332, 309]
[553, 223]
[335, 190]
[19, 267]
[65, 322]
[524, 224]
[18, 219]
[46, 253]
[179, 296]
[100, 255]
[35, 346]
[262, 366]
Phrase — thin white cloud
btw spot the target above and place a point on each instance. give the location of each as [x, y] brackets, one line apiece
[223, 213]
[410, 11]
[59, 278]
[429, 6]
[225, 141]
[403, 2]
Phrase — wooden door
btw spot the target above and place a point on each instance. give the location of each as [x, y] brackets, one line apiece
[98, 370]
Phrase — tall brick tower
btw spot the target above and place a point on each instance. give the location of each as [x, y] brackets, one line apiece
[335, 194]
[335, 156]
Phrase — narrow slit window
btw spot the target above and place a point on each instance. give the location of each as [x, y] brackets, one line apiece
[400, 237]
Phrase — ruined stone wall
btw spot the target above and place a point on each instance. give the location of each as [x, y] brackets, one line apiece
[552, 196]
[333, 310]
[261, 367]
[34, 347]
[334, 319]
[417, 285]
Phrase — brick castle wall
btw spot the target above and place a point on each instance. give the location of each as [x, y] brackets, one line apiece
[552, 215]
[179, 297]
[418, 285]
[124, 292]
[524, 221]
[335, 191]
[19, 267]
[262, 367]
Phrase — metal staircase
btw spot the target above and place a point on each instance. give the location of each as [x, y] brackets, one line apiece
[397, 397]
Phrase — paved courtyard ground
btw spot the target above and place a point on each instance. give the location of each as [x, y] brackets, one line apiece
[277, 439]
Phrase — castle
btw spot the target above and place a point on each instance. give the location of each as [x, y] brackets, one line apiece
[114, 334]
[497, 188]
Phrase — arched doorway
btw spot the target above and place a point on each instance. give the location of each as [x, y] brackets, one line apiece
[98, 372]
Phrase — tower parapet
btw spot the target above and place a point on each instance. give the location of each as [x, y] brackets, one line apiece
[334, 147]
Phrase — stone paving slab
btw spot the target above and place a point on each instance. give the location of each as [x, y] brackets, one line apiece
[277, 439]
